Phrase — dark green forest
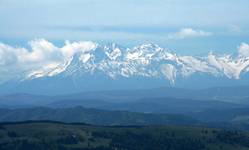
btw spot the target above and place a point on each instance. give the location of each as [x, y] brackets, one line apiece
[47, 135]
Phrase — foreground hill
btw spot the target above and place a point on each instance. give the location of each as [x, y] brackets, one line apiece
[92, 116]
[60, 136]
[227, 118]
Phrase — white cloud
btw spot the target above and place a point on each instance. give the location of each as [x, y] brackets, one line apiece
[188, 33]
[42, 57]
[235, 28]
[243, 50]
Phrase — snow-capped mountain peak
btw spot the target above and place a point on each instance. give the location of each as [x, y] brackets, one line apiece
[146, 60]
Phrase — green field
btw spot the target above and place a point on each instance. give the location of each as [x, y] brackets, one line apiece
[60, 136]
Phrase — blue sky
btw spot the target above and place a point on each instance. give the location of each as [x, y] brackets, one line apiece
[189, 26]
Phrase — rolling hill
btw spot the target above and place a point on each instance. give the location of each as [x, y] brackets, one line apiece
[60, 136]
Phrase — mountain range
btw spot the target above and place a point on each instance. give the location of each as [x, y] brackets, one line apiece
[235, 95]
[225, 107]
[88, 66]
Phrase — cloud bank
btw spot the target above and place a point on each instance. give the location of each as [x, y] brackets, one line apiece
[16, 62]
[188, 33]
[44, 59]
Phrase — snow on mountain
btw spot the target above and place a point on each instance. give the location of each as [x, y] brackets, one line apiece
[169, 71]
[149, 60]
